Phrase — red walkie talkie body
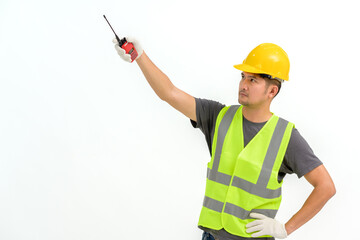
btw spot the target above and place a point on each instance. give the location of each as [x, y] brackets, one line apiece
[128, 47]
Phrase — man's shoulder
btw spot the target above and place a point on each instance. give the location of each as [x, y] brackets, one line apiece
[286, 120]
[206, 108]
[208, 103]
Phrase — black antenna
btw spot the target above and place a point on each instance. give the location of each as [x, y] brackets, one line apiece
[117, 38]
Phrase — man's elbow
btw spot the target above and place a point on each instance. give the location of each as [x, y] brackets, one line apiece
[327, 189]
[330, 190]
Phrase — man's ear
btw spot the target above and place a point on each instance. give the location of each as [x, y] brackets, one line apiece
[273, 91]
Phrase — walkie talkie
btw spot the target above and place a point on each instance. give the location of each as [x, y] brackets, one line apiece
[124, 44]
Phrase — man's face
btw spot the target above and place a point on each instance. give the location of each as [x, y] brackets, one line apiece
[253, 90]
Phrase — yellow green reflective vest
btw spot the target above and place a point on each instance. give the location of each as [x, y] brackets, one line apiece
[243, 180]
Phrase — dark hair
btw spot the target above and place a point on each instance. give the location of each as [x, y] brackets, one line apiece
[269, 79]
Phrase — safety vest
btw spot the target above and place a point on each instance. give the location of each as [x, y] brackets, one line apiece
[243, 180]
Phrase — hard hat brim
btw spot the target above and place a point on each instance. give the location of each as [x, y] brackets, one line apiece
[247, 68]
[251, 69]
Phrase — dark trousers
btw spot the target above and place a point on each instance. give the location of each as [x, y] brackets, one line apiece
[207, 236]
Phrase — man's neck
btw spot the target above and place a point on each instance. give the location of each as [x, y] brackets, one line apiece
[256, 115]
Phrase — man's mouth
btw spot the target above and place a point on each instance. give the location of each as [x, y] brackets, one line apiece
[243, 94]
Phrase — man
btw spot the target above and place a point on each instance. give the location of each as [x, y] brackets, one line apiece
[252, 149]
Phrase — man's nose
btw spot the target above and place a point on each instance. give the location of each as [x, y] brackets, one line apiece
[243, 85]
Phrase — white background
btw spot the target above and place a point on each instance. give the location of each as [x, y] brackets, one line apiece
[87, 149]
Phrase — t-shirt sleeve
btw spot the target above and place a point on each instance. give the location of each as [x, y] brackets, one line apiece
[299, 157]
[206, 114]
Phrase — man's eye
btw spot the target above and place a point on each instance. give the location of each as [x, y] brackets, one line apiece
[252, 80]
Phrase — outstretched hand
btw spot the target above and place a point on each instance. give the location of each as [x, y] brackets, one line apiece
[122, 53]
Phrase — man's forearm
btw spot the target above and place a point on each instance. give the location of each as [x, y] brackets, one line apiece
[314, 203]
[158, 81]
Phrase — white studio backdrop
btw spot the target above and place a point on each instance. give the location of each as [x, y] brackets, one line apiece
[87, 149]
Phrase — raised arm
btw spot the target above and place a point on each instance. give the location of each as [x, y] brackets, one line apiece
[160, 83]
[165, 89]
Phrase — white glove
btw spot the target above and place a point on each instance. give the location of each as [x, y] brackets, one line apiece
[122, 52]
[265, 226]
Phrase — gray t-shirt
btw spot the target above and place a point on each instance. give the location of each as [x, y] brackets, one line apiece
[299, 157]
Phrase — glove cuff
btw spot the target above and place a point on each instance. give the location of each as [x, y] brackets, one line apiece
[284, 231]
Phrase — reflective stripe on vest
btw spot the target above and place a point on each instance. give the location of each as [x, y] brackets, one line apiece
[260, 188]
[235, 210]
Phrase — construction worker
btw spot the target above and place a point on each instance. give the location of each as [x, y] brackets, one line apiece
[251, 149]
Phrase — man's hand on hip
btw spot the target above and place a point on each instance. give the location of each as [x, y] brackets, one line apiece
[265, 226]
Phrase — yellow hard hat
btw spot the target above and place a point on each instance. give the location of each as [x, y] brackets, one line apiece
[267, 58]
